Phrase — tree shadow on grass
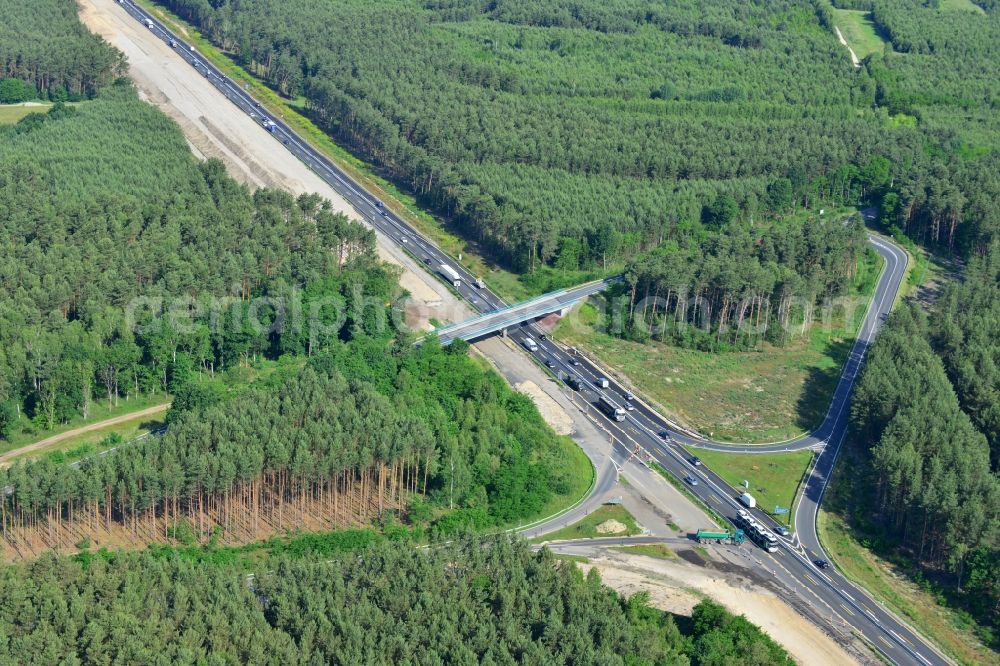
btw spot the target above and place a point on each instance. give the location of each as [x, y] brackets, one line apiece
[820, 385]
[151, 425]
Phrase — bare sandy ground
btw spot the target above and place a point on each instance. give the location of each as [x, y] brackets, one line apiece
[854, 57]
[214, 129]
[677, 586]
[554, 415]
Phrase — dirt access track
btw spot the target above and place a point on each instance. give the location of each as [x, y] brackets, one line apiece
[7, 457]
[214, 128]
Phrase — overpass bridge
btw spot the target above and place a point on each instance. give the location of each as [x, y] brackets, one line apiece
[499, 319]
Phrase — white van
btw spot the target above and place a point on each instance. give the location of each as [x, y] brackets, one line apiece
[530, 345]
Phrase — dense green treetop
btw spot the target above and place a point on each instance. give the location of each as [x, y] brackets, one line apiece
[469, 602]
[965, 331]
[925, 407]
[107, 217]
[527, 123]
[43, 43]
[476, 443]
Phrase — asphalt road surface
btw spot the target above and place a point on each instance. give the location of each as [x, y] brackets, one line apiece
[642, 430]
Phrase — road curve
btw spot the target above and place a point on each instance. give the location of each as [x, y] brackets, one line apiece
[835, 419]
[643, 432]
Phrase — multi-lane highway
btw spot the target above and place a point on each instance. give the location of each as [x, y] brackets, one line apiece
[643, 430]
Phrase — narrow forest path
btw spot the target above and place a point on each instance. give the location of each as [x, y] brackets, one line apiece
[854, 57]
[7, 457]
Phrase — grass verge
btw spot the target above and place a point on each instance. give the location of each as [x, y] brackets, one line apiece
[657, 550]
[27, 432]
[581, 474]
[587, 527]
[11, 113]
[774, 477]
[88, 443]
[573, 558]
[961, 6]
[774, 394]
[950, 629]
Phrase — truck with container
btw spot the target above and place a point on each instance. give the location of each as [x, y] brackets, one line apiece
[717, 536]
[747, 500]
[612, 410]
[450, 274]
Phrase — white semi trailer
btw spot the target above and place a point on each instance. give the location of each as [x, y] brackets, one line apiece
[451, 274]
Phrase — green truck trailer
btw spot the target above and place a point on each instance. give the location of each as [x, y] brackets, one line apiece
[712, 536]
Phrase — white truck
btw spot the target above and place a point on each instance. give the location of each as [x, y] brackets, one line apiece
[747, 500]
[450, 273]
